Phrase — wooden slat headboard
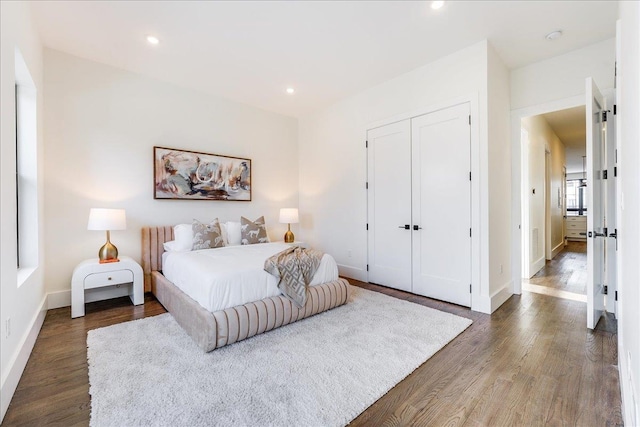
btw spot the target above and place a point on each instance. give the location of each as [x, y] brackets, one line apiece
[152, 249]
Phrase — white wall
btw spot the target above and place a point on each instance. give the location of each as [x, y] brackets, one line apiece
[333, 162]
[556, 196]
[24, 305]
[628, 92]
[536, 180]
[499, 160]
[101, 124]
[542, 138]
[563, 76]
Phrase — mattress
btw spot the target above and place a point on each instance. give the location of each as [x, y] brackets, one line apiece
[233, 275]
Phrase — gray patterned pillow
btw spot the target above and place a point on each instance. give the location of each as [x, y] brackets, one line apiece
[207, 236]
[253, 231]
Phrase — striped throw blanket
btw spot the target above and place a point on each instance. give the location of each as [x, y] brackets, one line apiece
[294, 268]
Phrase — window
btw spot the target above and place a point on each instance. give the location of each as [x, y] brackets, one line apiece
[27, 229]
[576, 197]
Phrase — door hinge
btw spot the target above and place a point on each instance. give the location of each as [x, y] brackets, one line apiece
[604, 174]
[366, 144]
[469, 287]
[605, 290]
[367, 226]
[469, 176]
[615, 109]
[604, 116]
[616, 294]
[367, 185]
[469, 118]
[469, 232]
[367, 267]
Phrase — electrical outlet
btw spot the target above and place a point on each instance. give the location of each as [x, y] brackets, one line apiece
[349, 253]
[8, 327]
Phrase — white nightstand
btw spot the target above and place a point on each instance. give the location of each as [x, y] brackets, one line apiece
[90, 274]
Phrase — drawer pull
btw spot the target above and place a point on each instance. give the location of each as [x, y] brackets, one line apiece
[108, 278]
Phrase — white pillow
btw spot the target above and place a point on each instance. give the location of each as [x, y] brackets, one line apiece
[223, 229]
[183, 234]
[233, 230]
[172, 246]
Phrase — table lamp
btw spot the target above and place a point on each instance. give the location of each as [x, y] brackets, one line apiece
[107, 220]
[289, 216]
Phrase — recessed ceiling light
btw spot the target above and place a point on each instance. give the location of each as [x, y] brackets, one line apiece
[436, 5]
[153, 40]
[290, 90]
[554, 35]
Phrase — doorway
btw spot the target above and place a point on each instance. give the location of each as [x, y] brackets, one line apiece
[600, 195]
[553, 214]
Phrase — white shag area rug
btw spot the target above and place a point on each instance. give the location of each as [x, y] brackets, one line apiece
[321, 371]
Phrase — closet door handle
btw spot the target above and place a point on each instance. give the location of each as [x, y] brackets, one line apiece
[406, 226]
[416, 228]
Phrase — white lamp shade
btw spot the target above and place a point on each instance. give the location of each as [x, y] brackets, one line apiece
[107, 219]
[289, 215]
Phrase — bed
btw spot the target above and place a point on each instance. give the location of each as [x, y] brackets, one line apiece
[226, 325]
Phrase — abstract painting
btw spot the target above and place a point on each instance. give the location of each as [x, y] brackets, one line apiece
[189, 175]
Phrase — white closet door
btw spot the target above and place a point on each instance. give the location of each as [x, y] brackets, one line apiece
[389, 205]
[441, 145]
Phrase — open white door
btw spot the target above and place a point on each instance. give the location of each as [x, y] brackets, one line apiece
[596, 203]
[611, 244]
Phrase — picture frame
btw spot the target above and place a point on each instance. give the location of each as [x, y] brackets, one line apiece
[193, 175]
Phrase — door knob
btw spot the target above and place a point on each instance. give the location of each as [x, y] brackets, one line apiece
[406, 226]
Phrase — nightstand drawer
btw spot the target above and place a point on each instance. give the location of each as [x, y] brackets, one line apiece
[108, 278]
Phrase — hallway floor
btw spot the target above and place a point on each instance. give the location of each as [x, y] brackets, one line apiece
[565, 276]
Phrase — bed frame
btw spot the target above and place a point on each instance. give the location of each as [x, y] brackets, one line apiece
[214, 330]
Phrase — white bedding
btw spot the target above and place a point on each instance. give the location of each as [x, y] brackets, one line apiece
[233, 275]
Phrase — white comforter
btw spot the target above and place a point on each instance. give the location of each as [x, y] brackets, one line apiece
[234, 275]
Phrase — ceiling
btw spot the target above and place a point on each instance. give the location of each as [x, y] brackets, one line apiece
[570, 126]
[251, 52]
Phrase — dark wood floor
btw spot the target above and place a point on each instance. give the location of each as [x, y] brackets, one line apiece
[567, 271]
[531, 363]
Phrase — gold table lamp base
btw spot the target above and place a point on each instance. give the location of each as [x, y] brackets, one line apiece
[288, 236]
[108, 252]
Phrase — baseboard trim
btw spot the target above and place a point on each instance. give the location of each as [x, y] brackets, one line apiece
[555, 251]
[19, 362]
[351, 272]
[536, 266]
[502, 295]
[59, 299]
[490, 303]
[627, 390]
